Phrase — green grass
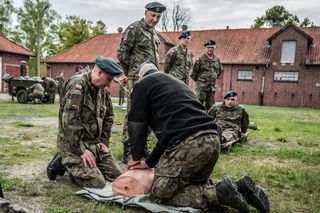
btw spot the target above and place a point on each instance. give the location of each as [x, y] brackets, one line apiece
[282, 156]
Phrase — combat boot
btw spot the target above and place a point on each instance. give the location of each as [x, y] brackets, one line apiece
[229, 195]
[254, 195]
[1, 193]
[126, 152]
[55, 167]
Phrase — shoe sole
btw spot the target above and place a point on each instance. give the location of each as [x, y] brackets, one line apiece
[233, 187]
[254, 195]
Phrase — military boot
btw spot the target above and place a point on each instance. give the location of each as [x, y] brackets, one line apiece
[229, 195]
[55, 167]
[126, 152]
[254, 195]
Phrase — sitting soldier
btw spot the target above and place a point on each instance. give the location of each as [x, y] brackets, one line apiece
[37, 93]
[231, 117]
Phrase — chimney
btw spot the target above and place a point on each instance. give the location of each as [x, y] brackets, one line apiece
[120, 29]
[227, 27]
[184, 27]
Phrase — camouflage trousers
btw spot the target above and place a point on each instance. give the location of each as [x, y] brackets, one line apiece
[182, 173]
[106, 168]
[230, 135]
[206, 98]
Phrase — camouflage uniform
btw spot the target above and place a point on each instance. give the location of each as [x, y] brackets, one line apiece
[180, 180]
[37, 92]
[178, 63]
[85, 118]
[60, 82]
[51, 87]
[205, 73]
[139, 43]
[233, 121]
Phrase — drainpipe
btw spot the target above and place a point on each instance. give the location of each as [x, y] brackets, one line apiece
[261, 93]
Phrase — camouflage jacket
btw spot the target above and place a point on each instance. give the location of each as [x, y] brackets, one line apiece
[235, 117]
[139, 43]
[178, 63]
[85, 116]
[206, 71]
[51, 85]
[37, 89]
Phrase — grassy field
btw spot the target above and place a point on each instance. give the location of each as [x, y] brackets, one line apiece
[283, 156]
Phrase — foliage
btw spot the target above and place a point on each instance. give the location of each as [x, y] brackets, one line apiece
[6, 11]
[73, 31]
[176, 17]
[279, 16]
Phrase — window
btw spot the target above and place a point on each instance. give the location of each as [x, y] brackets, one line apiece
[288, 52]
[286, 76]
[245, 75]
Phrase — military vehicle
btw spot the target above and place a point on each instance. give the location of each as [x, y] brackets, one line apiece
[19, 87]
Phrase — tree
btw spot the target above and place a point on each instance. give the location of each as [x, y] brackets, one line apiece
[35, 18]
[6, 11]
[179, 16]
[279, 16]
[75, 30]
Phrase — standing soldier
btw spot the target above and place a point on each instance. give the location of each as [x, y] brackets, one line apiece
[139, 43]
[51, 88]
[60, 82]
[206, 71]
[178, 61]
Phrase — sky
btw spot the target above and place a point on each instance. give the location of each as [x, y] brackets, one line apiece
[205, 14]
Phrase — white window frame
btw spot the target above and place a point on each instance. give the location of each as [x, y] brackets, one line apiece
[288, 52]
[291, 76]
[245, 75]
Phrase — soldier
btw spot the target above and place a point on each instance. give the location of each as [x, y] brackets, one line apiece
[206, 71]
[187, 149]
[51, 88]
[121, 95]
[232, 118]
[139, 43]
[178, 60]
[37, 93]
[85, 120]
[60, 82]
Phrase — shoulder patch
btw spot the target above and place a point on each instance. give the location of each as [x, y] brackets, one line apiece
[131, 27]
[78, 87]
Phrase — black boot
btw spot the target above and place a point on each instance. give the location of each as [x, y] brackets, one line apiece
[126, 152]
[55, 167]
[228, 195]
[254, 195]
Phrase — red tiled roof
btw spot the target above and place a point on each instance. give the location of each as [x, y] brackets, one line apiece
[234, 46]
[86, 51]
[6, 45]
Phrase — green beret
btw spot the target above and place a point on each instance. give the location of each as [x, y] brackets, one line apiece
[108, 65]
[231, 93]
[210, 42]
[184, 34]
[156, 7]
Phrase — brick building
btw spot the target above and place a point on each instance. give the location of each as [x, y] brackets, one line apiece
[13, 59]
[276, 67]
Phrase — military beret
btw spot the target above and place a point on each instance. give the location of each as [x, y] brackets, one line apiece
[108, 65]
[155, 7]
[230, 93]
[210, 42]
[184, 34]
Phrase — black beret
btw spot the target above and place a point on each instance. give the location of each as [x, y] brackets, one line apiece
[108, 65]
[184, 34]
[231, 93]
[210, 42]
[155, 7]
